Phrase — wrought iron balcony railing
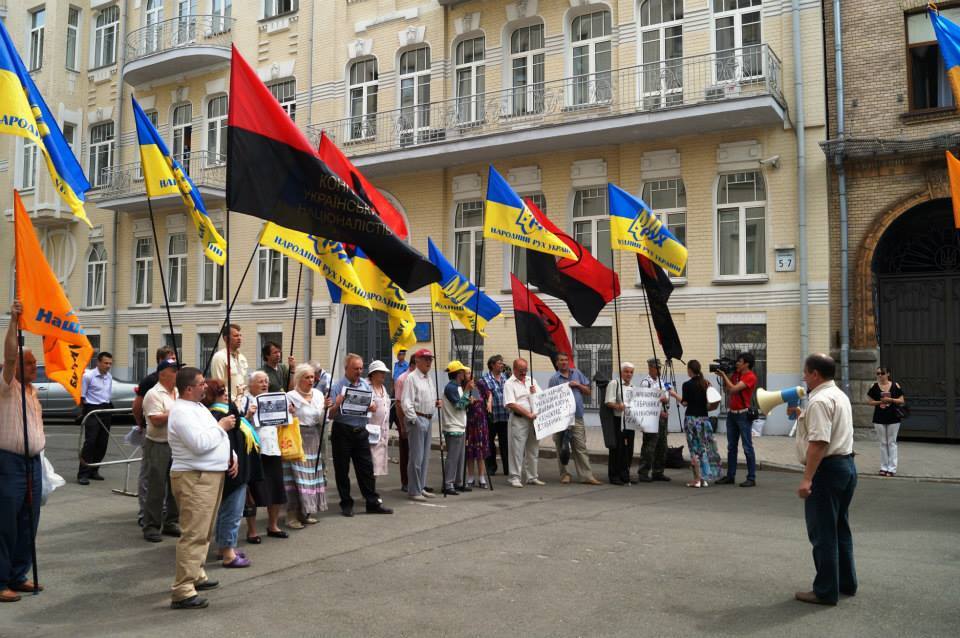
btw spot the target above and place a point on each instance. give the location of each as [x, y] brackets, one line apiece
[682, 82]
[204, 30]
[126, 180]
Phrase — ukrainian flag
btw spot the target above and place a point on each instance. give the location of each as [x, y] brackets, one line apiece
[164, 175]
[634, 226]
[322, 255]
[459, 298]
[948, 37]
[507, 218]
[24, 113]
[381, 294]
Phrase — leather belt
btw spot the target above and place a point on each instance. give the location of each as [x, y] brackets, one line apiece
[738, 411]
[426, 416]
[840, 456]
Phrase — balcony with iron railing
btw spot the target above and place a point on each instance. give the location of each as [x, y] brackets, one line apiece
[177, 45]
[728, 89]
[122, 188]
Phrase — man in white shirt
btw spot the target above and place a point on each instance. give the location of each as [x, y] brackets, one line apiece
[653, 450]
[518, 394]
[237, 363]
[618, 463]
[96, 391]
[156, 456]
[825, 447]
[200, 452]
[420, 403]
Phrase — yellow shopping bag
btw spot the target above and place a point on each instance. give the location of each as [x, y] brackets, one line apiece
[291, 443]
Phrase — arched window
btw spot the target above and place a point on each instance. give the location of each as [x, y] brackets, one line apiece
[217, 130]
[668, 199]
[468, 239]
[661, 52]
[591, 55]
[741, 224]
[95, 292]
[415, 89]
[364, 88]
[152, 33]
[105, 37]
[737, 37]
[101, 153]
[183, 134]
[61, 252]
[526, 69]
[470, 80]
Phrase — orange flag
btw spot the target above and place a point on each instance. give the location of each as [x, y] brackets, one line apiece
[46, 309]
[953, 173]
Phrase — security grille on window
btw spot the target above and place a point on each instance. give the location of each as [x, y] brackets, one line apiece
[273, 8]
[591, 222]
[209, 343]
[741, 220]
[101, 153]
[38, 23]
[737, 35]
[211, 278]
[415, 89]
[470, 80]
[364, 89]
[138, 356]
[272, 271]
[591, 58]
[593, 355]
[28, 165]
[468, 240]
[518, 255]
[926, 72]
[177, 268]
[661, 48]
[526, 65]
[183, 134]
[175, 342]
[264, 337]
[752, 338]
[96, 288]
[461, 347]
[668, 198]
[73, 36]
[143, 272]
[286, 93]
[105, 36]
[217, 130]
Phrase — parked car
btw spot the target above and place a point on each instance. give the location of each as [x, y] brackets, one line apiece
[58, 404]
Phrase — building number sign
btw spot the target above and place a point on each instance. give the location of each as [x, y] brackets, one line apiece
[786, 260]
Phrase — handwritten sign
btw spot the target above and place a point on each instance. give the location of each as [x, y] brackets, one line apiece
[554, 408]
[643, 409]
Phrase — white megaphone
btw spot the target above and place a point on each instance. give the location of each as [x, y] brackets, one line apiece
[769, 400]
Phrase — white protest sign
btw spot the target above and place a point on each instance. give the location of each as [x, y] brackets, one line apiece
[554, 408]
[643, 409]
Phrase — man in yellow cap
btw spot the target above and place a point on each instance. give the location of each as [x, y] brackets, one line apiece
[456, 400]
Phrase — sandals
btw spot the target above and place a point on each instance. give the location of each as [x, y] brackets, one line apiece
[277, 534]
[239, 561]
[309, 520]
[694, 484]
[254, 540]
[294, 524]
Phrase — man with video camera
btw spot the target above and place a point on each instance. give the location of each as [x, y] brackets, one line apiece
[740, 385]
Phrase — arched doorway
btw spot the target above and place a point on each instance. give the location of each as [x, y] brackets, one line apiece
[916, 269]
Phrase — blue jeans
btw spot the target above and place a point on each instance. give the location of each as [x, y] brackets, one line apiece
[228, 517]
[15, 516]
[828, 527]
[739, 428]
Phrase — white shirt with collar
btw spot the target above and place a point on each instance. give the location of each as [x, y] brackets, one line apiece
[419, 394]
[196, 441]
[518, 392]
[828, 418]
[96, 388]
[617, 393]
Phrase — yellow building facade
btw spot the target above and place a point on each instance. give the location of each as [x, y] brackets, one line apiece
[690, 104]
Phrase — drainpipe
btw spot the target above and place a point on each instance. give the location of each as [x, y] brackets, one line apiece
[118, 128]
[800, 124]
[842, 193]
[308, 291]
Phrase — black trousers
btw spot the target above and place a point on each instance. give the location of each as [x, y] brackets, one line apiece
[95, 438]
[620, 457]
[352, 444]
[828, 527]
[653, 451]
[497, 430]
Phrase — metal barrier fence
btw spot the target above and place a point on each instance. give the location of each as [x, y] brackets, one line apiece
[128, 458]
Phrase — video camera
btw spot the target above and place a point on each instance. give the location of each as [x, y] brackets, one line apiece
[724, 364]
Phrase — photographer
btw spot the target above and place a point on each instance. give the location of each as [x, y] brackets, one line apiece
[740, 386]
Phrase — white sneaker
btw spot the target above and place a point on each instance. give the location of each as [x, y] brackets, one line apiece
[514, 483]
[428, 495]
[535, 481]
[416, 497]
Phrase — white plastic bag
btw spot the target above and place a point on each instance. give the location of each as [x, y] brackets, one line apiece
[51, 480]
[757, 427]
[134, 437]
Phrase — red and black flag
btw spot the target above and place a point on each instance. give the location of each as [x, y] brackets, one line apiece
[273, 173]
[538, 328]
[658, 288]
[585, 284]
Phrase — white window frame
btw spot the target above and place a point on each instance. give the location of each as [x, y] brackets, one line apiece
[598, 192]
[661, 79]
[181, 132]
[528, 97]
[38, 29]
[101, 153]
[210, 271]
[596, 83]
[29, 153]
[142, 288]
[138, 372]
[71, 136]
[738, 56]
[60, 250]
[470, 103]
[95, 282]
[72, 63]
[267, 260]
[475, 233]
[285, 92]
[668, 215]
[177, 269]
[217, 130]
[513, 252]
[106, 29]
[276, 8]
[222, 11]
[414, 116]
[152, 24]
[360, 92]
[741, 207]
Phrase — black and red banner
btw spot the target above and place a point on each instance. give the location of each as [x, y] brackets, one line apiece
[538, 328]
[273, 173]
[658, 288]
[584, 284]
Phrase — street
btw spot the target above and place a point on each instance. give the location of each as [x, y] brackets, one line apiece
[560, 560]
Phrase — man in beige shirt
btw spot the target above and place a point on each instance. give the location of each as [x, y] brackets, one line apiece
[156, 456]
[825, 447]
[232, 340]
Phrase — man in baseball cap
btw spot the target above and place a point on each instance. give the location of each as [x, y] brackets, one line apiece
[420, 403]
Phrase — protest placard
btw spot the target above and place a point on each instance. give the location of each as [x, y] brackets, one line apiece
[643, 409]
[554, 408]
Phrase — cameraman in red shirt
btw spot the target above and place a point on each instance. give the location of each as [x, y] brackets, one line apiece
[740, 386]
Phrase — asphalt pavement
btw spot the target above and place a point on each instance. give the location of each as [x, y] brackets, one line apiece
[561, 560]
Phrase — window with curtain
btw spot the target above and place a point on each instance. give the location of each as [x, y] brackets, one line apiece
[143, 272]
[468, 240]
[182, 134]
[105, 36]
[661, 52]
[73, 39]
[101, 153]
[95, 291]
[592, 61]
[741, 224]
[217, 130]
[272, 275]
[470, 70]
[177, 268]
[28, 165]
[526, 69]
[737, 38]
[415, 88]
[364, 88]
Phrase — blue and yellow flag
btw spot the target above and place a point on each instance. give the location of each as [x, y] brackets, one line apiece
[381, 294]
[635, 227]
[948, 37]
[164, 175]
[24, 113]
[458, 297]
[507, 218]
[322, 255]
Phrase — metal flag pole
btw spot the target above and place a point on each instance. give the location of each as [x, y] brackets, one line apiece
[206, 367]
[323, 418]
[226, 321]
[653, 347]
[163, 281]
[436, 383]
[296, 308]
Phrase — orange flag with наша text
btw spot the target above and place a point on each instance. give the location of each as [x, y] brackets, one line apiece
[46, 310]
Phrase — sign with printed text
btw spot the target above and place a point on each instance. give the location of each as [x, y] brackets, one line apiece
[554, 408]
[643, 409]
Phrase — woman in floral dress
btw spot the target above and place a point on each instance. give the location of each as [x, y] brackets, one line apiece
[477, 435]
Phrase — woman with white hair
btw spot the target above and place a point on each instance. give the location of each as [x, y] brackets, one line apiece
[303, 480]
[269, 492]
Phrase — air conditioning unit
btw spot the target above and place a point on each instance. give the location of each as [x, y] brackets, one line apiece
[719, 92]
